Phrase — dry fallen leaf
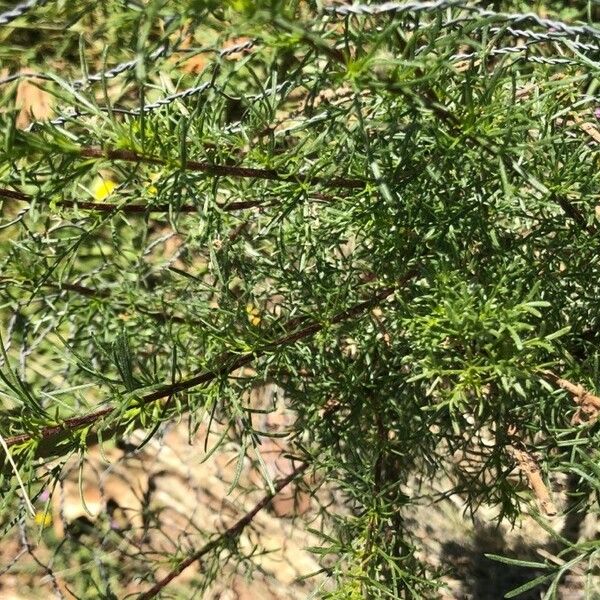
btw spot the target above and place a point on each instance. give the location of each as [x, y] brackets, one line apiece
[34, 103]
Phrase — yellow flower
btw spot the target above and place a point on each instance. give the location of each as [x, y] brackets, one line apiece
[103, 189]
[152, 190]
[253, 315]
[43, 518]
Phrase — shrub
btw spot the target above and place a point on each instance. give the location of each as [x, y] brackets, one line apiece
[389, 212]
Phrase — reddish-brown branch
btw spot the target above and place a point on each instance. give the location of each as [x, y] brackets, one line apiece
[232, 532]
[80, 289]
[14, 195]
[136, 208]
[75, 423]
[225, 170]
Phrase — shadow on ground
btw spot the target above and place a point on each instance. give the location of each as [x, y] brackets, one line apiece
[482, 578]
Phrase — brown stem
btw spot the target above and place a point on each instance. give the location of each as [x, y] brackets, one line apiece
[529, 466]
[589, 404]
[145, 208]
[80, 289]
[71, 424]
[224, 170]
[232, 532]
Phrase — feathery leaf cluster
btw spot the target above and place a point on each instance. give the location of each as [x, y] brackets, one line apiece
[388, 211]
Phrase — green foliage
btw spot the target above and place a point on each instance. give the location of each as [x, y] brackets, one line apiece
[393, 217]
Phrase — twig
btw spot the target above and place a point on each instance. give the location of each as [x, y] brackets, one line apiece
[49, 572]
[68, 426]
[80, 289]
[140, 209]
[588, 404]
[6, 568]
[231, 533]
[224, 170]
[528, 465]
